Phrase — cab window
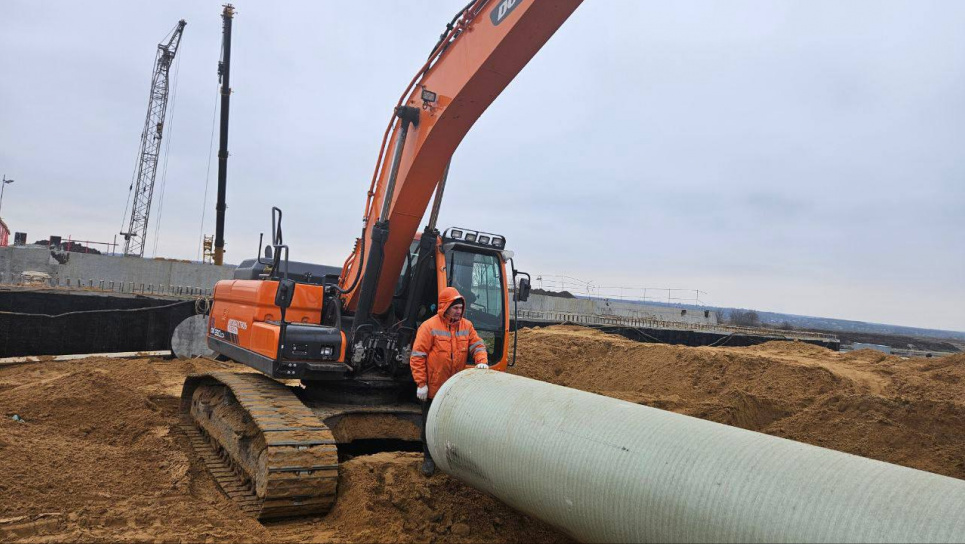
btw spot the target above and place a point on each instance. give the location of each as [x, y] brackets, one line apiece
[477, 278]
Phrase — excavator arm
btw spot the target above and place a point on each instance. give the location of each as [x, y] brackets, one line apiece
[482, 50]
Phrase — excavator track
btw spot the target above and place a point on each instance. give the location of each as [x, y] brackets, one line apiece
[266, 450]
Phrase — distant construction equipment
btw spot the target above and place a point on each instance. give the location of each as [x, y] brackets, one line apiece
[207, 245]
[143, 186]
[224, 71]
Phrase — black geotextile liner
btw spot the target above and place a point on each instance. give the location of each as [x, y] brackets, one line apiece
[692, 338]
[56, 323]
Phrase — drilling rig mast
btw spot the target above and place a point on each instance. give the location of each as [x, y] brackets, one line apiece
[224, 71]
[143, 187]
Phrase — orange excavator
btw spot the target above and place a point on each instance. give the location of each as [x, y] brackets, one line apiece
[330, 346]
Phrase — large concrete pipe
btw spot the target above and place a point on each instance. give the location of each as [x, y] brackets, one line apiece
[605, 470]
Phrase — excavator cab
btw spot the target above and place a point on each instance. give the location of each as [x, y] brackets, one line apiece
[474, 263]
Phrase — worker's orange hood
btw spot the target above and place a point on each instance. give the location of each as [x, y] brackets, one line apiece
[446, 297]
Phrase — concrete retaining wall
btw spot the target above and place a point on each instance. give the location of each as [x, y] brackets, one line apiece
[619, 308]
[85, 267]
[81, 267]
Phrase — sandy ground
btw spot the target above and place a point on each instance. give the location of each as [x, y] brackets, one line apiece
[98, 456]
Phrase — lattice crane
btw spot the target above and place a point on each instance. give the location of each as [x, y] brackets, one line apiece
[143, 186]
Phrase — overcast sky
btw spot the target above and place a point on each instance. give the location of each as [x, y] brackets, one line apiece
[795, 156]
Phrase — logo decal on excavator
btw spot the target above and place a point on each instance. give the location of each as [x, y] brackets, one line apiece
[504, 8]
[234, 325]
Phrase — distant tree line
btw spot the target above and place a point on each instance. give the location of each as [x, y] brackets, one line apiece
[563, 294]
[744, 318]
[750, 318]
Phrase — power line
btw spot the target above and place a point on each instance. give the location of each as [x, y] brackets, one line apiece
[564, 282]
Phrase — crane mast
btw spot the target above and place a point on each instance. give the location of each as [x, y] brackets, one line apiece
[134, 238]
[224, 72]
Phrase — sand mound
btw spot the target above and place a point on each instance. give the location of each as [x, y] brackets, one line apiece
[781, 347]
[99, 457]
[86, 404]
[904, 411]
[384, 498]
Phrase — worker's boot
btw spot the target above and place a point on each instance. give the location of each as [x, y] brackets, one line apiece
[428, 466]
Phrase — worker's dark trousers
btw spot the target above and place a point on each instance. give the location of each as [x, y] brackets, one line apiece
[425, 415]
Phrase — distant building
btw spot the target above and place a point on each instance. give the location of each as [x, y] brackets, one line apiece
[4, 234]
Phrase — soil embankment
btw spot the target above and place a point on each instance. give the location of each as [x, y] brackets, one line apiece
[98, 456]
[909, 412]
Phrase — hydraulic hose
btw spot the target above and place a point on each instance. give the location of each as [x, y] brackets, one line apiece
[358, 274]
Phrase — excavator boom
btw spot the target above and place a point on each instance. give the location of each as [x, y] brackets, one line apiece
[482, 51]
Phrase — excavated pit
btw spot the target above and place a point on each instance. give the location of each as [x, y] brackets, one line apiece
[98, 456]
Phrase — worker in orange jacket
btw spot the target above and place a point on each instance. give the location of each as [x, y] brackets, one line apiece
[443, 346]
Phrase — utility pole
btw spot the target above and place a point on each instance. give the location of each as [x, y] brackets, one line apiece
[224, 71]
[3, 185]
[143, 187]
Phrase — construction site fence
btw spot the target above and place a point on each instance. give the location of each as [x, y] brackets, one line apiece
[654, 323]
[127, 287]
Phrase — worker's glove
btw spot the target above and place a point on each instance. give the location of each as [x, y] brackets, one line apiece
[483, 366]
[422, 392]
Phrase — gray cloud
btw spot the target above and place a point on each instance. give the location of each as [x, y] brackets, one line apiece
[792, 156]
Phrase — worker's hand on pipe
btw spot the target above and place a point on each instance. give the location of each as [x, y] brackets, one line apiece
[422, 392]
[483, 366]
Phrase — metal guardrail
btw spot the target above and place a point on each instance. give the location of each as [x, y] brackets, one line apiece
[109, 286]
[654, 323]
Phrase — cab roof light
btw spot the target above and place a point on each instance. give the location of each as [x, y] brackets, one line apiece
[474, 237]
